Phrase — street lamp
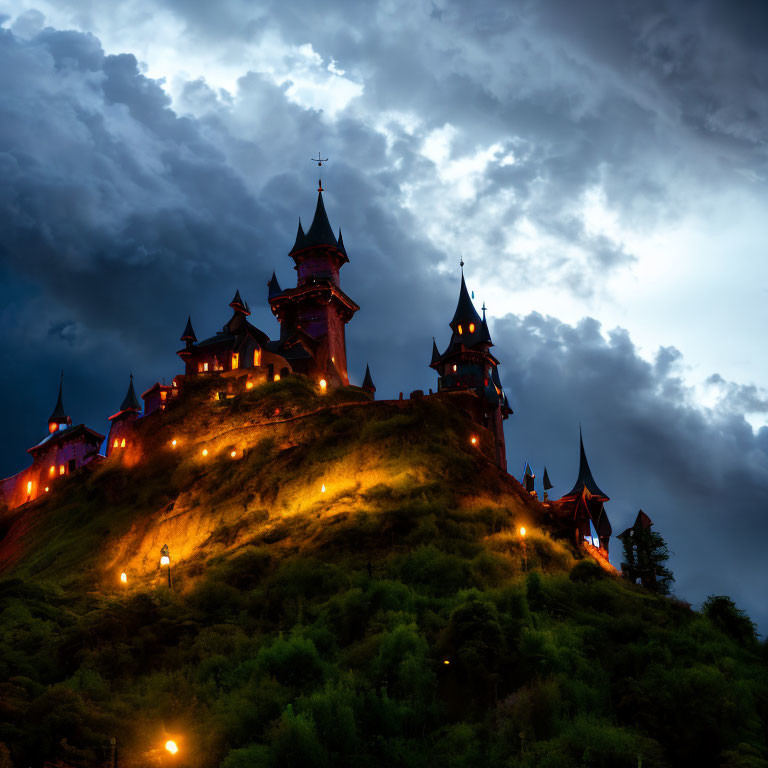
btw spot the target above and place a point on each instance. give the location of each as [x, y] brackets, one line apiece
[165, 559]
[171, 746]
[525, 548]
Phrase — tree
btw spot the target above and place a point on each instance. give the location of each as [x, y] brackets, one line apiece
[724, 614]
[646, 552]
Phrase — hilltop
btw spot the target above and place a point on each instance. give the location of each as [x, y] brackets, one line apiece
[349, 585]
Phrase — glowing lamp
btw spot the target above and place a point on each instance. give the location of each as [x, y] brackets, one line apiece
[123, 578]
[205, 451]
[522, 532]
[52, 427]
[277, 377]
[473, 440]
[446, 662]
[233, 454]
[323, 384]
[173, 442]
[322, 490]
[165, 560]
[249, 385]
[46, 489]
[171, 746]
[471, 327]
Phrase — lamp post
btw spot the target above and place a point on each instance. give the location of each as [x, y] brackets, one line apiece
[524, 547]
[165, 559]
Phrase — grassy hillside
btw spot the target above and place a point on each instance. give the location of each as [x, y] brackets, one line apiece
[392, 619]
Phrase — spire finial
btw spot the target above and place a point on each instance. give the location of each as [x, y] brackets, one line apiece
[320, 185]
[461, 262]
[319, 159]
[483, 308]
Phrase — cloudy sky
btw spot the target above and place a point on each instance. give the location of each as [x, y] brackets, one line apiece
[601, 167]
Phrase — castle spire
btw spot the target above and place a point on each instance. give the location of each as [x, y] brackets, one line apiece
[130, 402]
[239, 305]
[300, 241]
[435, 353]
[320, 232]
[189, 334]
[585, 479]
[59, 416]
[368, 384]
[465, 310]
[274, 286]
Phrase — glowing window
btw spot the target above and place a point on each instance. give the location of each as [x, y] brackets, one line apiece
[199, 367]
[205, 366]
[52, 427]
[461, 330]
[323, 384]
[29, 487]
[52, 470]
[114, 445]
[256, 358]
[235, 360]
[62, 469]
[454, 369]
[277, 377]
[122, 443]
[249, 385]
[471, 327]
[205, 451]
[163, 394]
[46, 489]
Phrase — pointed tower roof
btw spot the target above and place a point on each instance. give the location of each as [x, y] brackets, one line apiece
[527, 471]
[274, 286]
[585, 479]
[189, 334]
[301, 239]
[320, 232]
[368, 384]
[465, 309]
[528, 478]
[485, 334]
[341, 243]
[435, 353]
[546, 481]
[239, 305]
[130, 402]
[59, 415]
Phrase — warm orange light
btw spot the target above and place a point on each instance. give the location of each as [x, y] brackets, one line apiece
[122, 443]
[322, 490]
[235, 360]
[323, 384]
[165, 560]
[173, 442]
[256, 358]
[233, 454]
[461, 330]
[52, 427]
[249, 385]
[124, 577]
[522, 532]
[163, 394]
[205, 451]
[52, 470]
[205, 366]
[277, 377]
[446, 661]
[29, 486]
[171, 747]
[471, 327]
[454, 369]
[61, 469]
[46, 489]
[114, 445]
[473, 440]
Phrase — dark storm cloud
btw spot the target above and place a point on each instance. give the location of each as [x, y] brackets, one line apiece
[701, 476]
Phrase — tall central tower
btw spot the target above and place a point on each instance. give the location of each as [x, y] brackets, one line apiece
[316, 311]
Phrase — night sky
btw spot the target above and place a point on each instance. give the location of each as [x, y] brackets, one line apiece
[601, 168]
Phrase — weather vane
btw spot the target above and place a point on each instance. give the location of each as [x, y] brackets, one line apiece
[319, 159]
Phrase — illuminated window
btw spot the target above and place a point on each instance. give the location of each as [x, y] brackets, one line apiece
[122, 443]
[29, 487]
[471, 327]
[277, 377]
[114, 445]
[235, 360]
[163, 394]
[199, 367]
[46, 489]
[323, 384]
[52, 427]
[205, 366]
[173, 442]
[52, 470]
[249, 385]
[61, 469]
[461, 330]
[256, 358]
[454, 369]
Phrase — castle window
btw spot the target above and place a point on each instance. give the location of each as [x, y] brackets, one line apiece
[52, 471]
[52, 427]
[235, 360]
[256, 358]
[163, 394]
[62, 469]
[205, 366]
[471, 327]
[454, 369]
[461, 330]
[29, 486]
[122, 443]
[114, 445]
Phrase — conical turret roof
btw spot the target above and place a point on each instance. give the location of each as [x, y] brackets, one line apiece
[585, 479]
[239, 305]
[320, 233]
[485, 334]
[435, 353]
[465, 309]
[341, 243]
[59, 415]
[274, 286]
[189, 334]
[546, 481]
[130, 402]
[368, 380]
[301, 239]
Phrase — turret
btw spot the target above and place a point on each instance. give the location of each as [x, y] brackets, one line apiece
[239, 305]
[59, 418]
[368, 384]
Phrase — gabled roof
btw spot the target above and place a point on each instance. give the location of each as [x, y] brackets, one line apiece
[585, 479]
[189, 334]
[130, 402]
[465, 309]
[59, 415]
[368, 380]
[70, 433]
[320, 233]
[274, 286]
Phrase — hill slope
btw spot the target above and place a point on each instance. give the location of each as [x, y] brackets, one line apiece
[311, 627]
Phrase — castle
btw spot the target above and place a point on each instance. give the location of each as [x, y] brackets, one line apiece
[312, 319]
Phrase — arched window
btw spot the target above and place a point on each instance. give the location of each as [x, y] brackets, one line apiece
[471, 327]
[461, 330]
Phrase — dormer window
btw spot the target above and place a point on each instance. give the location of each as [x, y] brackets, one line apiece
[461, 330]
[471, 327]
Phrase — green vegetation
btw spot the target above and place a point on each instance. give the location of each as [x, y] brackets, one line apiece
[311, 628]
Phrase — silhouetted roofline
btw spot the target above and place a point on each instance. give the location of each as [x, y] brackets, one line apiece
[59, 415]
[585, 479]
[130, 402]
[189, 334]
